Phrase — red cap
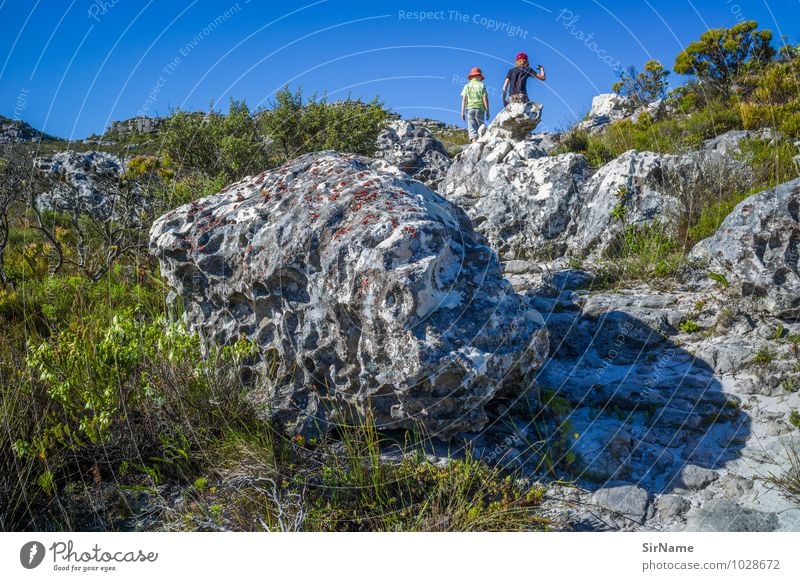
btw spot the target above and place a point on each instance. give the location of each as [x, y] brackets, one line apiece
[475, 72]
[522, 57]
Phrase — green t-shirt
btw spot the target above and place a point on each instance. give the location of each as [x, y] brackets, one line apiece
[474, 92]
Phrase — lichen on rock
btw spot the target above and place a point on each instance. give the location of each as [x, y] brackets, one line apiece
[362, 289]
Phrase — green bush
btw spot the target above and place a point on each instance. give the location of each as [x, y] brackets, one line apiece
[772, 98]
[689, 326]
[115, 398]
[642, 88]
[296, 127]
[213, 145]
[723, 55]
[676, 134]
[98, 376]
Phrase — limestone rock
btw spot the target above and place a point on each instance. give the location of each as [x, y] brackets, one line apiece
[757, 249]
[18, 131]
[88, 183]
[727, 516]
[610, 107]
[521, 200]
[361, 288]
[414, 150]
[627, 500]
[696, 478]
[631, 181]
[670, 507]
[136, 125]
[605, 109]
[532, 205]
[728, 143]
[515, 121]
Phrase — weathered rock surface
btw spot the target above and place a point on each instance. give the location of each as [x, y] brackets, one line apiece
[610, 107]
[522, 204]
[531, 205]
[18, 131]
[696, 477]
[88, 183]
[136, 125]
[361, 289]
[515, 121]
[629, 184]
[757, 248]
[414, 150]
[626, 500]
[728, 143]
[671, 507]
[687, 417]
[726, 516]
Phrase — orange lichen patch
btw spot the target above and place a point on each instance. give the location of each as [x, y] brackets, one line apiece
[342, 231]
[370, 217]
[410, 230]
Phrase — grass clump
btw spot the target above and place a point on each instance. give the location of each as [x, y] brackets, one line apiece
[341, 483]
[689, 326]
[764, 356]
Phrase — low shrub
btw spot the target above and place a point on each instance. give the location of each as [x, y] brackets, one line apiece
[111, 399]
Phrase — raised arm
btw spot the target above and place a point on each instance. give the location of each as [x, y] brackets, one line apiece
[541, 75]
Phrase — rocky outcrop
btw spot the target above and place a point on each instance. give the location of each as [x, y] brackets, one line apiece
[532, 205]
[625, 193]
[135, 125]
[606, 108]
[18, 131]
[757, 249]
[519, 198]
[515, 121]
[728, 143]
[610, 107]
[414, 150]
[88, 183]
[362, 290]
[661, 426]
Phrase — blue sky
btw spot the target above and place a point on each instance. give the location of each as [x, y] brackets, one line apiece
[70, 67]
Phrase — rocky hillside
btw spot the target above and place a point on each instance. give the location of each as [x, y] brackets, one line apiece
[616, 327]
[668, 407]
[18, 131]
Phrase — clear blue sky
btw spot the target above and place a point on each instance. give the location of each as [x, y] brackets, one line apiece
[70, 67]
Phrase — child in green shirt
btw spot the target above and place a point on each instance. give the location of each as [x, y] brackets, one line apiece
[474, 103]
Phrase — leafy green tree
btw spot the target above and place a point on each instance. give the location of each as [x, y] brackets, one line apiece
[295, 127]
[643, 87]
[724, 54]
[212, 144]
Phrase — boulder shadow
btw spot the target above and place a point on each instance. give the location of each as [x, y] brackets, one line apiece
[622, 402]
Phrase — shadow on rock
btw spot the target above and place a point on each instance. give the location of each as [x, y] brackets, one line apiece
[624, 405]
